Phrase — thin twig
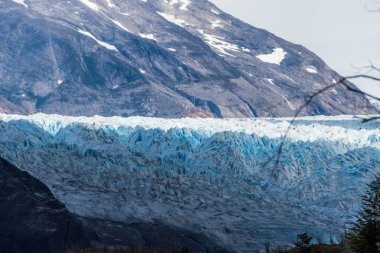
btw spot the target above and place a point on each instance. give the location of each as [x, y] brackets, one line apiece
[342, 81]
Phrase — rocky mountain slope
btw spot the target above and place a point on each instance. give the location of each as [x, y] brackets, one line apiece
[32, 220]
[168, 58]
[153, 236]
[216, 177]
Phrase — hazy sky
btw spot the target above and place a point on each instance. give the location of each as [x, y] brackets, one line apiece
[342, 32]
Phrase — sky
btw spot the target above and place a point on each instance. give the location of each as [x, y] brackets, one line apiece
[344, 33]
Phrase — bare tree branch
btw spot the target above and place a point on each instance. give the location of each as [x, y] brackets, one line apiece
[371, 119]
[370, 68]
[343, 81]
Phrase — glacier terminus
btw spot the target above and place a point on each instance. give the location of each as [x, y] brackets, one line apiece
[217, 176]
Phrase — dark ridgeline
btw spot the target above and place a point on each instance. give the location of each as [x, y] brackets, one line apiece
[33, 221]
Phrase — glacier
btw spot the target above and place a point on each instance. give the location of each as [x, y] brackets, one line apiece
[216, 176]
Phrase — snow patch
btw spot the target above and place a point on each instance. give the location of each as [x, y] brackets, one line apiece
[184, 3]
[120, 25]
[102, 43]
[312, 69]
[280, 94]
[22, 2]
[215, 12]
[173, 19]
[219, 43]
[90, 4]
[276, 57]
[110, 4]
[374, 102]
[216, 24]
[147, 36]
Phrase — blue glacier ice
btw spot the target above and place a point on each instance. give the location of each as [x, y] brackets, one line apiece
[219, 177]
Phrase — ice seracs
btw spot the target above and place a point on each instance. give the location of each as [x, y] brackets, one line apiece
[209, 174]
[276, 57]
[270, 127]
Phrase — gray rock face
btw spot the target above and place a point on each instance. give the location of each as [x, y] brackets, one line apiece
[31, 219]
[155, 58]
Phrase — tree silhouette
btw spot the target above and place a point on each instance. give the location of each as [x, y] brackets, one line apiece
[303, 242]
[365, 232]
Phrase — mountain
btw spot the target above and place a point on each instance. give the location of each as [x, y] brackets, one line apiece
[214, 177]
[31, 219]
[167, 58]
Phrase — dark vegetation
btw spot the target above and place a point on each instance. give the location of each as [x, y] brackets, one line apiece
[365, 232]
[322, 248]
[309, 247]
[129, 250]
